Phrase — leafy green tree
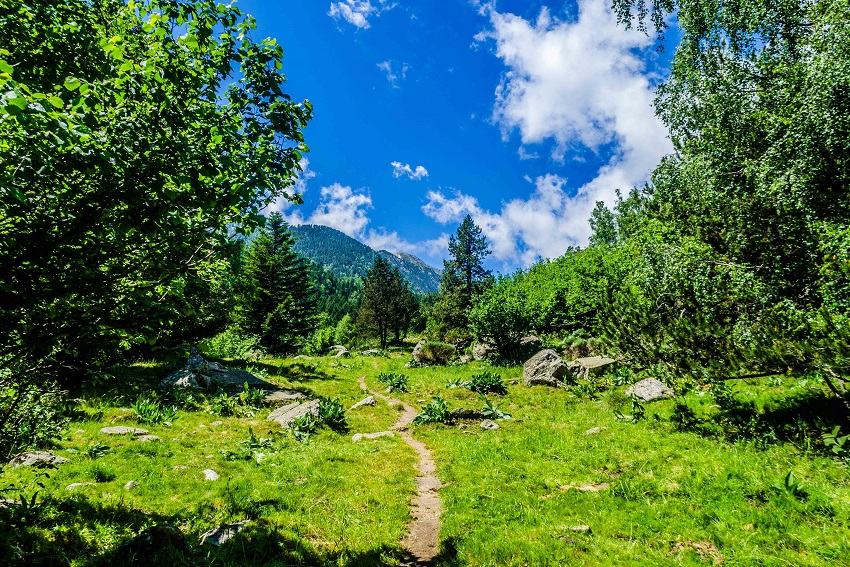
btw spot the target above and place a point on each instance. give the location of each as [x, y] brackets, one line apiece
[275, 297]
[604, 225]
[135, 138]
[743, 216]
[388, 304]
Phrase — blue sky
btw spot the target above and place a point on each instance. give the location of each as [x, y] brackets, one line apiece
[520, 113]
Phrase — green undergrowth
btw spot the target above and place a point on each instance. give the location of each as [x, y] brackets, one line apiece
[735, 475]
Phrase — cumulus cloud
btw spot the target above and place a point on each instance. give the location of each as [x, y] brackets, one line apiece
[358, 12]
[581, 84]
[416, 173]
[523, 230]
[394, 75]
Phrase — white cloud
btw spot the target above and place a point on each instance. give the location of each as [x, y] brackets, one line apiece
[358, 12]
[416, 173]
[394, 76]
[579, 84]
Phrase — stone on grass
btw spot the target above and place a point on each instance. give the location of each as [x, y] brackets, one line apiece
[583, 368]
[210, 474]
[649, 390]
[371, 352]
[367, 401]
[482, 350]
[544, 368]
[283, 396]
[342, 354]
[221, 534]
[216, 423]
[530, 343]
[593, 431]
[149, 438]
[285, 415]
[489, 425]
[464, 413]
[131, 485]
[77, 485]
[579, 529]
[417, 350]
[123, 430]
[36, 459]
[360, 436]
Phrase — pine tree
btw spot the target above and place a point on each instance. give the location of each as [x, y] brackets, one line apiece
[388, 304]
[275, 294]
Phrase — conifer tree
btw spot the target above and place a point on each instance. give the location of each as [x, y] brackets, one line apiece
[275, 298]
[388, 304]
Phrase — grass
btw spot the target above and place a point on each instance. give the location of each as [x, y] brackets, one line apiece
[666, 494]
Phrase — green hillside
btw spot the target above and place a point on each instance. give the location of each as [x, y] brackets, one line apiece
[344, 256]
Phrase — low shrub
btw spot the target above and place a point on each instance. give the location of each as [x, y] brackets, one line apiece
[393, 381]
[486, 382]
[232, 343]
[31, 415]
[150, 409]
[436, 353]
[435, 411]
[332, 414]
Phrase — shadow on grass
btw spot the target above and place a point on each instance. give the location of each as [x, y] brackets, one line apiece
[801, 419]
[60, 534]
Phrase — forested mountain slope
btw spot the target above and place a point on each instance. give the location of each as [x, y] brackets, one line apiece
[347, 257]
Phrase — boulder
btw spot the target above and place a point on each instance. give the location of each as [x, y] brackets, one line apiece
[649, 390]
[337, 348]
[276, 396]
[530, 343]
[367, 401]
[583, 368]
[371, 352]
[482, 350]
[186, 379]
[417, 350]
[221, 534]
[123, 430]
[360, 436]
[285, 415]
[544, 368]
[36, 459]
[342, 353]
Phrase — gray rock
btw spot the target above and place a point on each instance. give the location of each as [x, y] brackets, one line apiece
[579, 529]
[77, 485]
[593, 431]
[216, 423]
[337, 347]
[342, 354]
[649, 390]
[544, 368]
[6, 503]
[179, 468]
[465, 359]
[36, 459]
[367, 401]
[283, 396]
[210, 474]
[285, 415]
[482, 350]
[360, 436]
[221, 534]
[463, 413]
[131, 485]
[371, 352]
[489, 425]
[530, 343]
[416, 350]
[149, 438]
[583, 368]
[123, 430]
[186, 379]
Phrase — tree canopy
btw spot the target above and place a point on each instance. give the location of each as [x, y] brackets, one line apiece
[135, 139]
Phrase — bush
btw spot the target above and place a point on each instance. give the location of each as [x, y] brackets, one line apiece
[150, 409]
[394, 381]
[232, 343]
[436, 353]
[332, 414]
[435, 411]
[486, 382]
[30, 415]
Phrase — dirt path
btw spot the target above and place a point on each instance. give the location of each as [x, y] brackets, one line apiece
[426, 507]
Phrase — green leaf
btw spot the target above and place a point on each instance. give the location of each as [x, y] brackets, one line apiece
[72, 84]
[5, 67]
[19, 102]
[57, 102]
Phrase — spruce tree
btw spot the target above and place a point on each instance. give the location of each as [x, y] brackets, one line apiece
[275, 294]
[388, 304]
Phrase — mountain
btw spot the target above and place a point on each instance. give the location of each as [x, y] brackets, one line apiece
[344, 256]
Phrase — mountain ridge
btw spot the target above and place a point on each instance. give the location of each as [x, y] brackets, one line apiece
[345, 256]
